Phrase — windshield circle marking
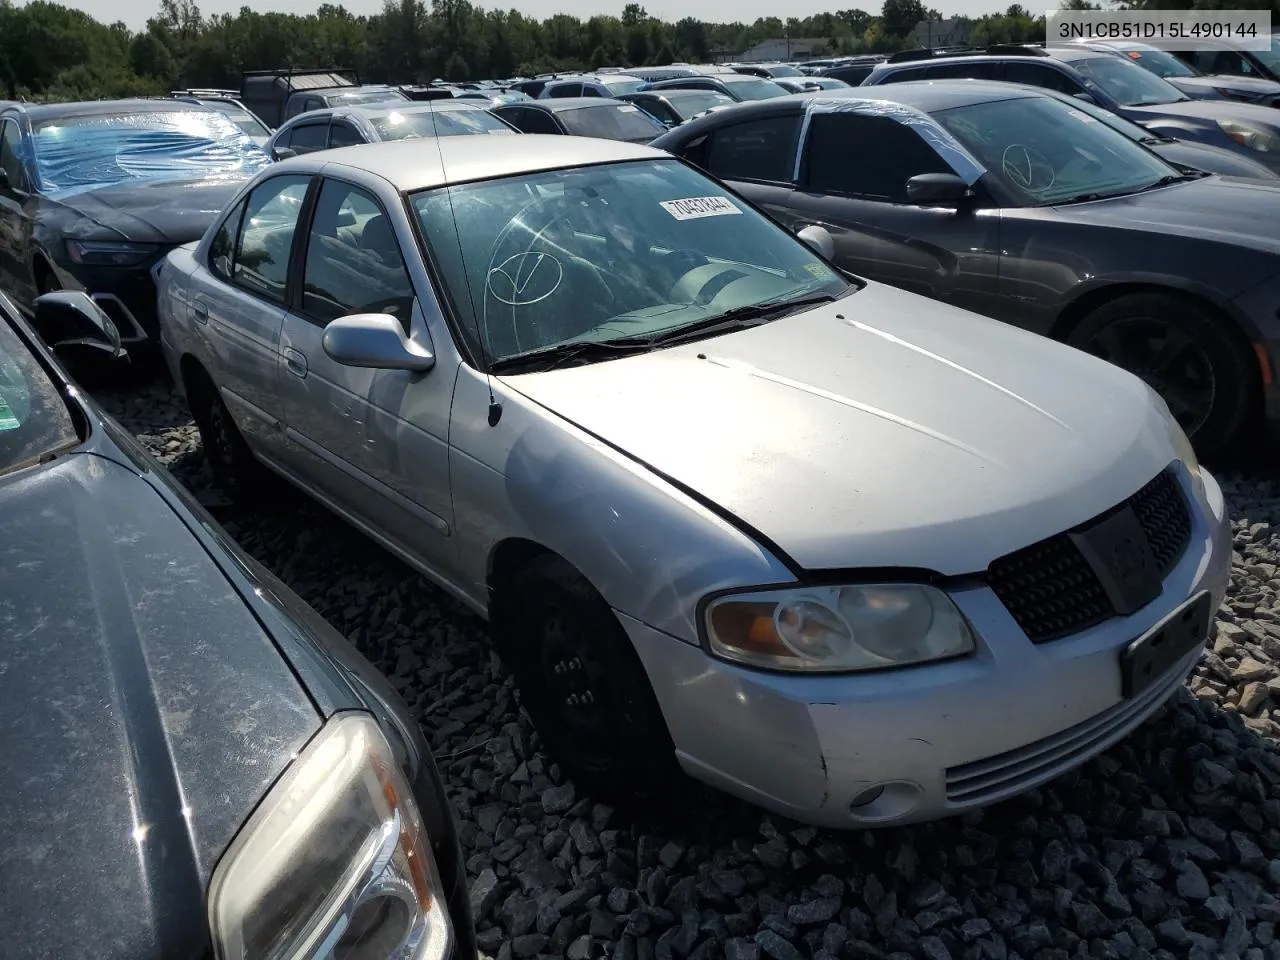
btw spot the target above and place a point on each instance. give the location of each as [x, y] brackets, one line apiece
[526, 287]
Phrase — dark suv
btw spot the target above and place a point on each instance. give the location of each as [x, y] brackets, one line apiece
[197, 764]
[1112, 82]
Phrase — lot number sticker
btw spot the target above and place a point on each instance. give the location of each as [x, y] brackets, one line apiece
[695, 208]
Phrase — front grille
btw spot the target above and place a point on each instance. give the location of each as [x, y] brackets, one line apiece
[1014, 771]
[1052, 591]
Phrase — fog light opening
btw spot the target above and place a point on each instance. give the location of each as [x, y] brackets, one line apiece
[868, 796]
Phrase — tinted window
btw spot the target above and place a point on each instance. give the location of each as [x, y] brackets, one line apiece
[901, 76]
[342, 134]
[850, 75]
[974, 70]
[1216, 61]
[1039, 75]
[756, 150]
[34, 419]
[867, 156]
[306, 137]
[222, 249]
[566, 90]
[266, 235]
[531, 120]
[11, 155]
[610, 121]
[657, 109]
[354, 264]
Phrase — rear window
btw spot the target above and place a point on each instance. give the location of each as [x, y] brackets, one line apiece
[611, 121]
[402, 125]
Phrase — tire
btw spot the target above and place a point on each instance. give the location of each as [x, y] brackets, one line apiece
[235, 469]
[1183, 351]
[584, 685]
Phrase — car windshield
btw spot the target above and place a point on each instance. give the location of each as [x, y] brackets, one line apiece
[1125, 82]
[34, 419]
[611, 121]
[413, 125]
[695, 101]
[242, 118]
[607, 253]
[78, 153]
[1160, 62]
[617, 85]
[1113, 120]
[368, 96]
[1270, 58]
[1044, 151]
[754, 88]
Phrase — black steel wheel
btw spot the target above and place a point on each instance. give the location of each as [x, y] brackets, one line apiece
[1185, 353]
[583, 683]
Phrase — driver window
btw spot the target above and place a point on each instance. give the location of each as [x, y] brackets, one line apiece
[266, 235]
[11, 156]
[869, 157]
[353, 263]
[756, 150]
[343, 134]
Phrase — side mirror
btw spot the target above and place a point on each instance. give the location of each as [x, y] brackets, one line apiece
[819, 239]
[283, 153]
[1086, 97]
[926, 188]
[74, 327]
[376, 341]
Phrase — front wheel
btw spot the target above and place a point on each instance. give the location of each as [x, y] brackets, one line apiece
[1185, 354]
[583, 684]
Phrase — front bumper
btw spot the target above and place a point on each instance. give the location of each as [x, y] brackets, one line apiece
[127, 294]
[938, 739]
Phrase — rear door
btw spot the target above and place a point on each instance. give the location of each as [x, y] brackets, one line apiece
[237, 305]
[373, 442]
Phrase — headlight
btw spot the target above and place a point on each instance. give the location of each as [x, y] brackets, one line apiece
[333, 863]
[1251, 135]
[1177, 436]
[109, 253]
[838, 629]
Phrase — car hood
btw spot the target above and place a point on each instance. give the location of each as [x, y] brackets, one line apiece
[1211, 159]
[146, 713]
[1204, 113]
[884, 430]
[1228, 210]
[1249, 86]
[150, 211]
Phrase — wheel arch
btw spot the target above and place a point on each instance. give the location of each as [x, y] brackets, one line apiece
[1238, 327]
[192, 373]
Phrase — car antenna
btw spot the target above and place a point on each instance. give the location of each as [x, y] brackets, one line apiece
[495, 408]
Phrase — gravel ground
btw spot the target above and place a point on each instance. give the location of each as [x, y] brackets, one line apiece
[1166, 846]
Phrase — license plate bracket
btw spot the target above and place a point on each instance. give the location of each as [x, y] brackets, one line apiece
[1147, 659]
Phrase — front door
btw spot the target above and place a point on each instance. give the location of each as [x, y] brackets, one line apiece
[374, 442]
[854, 173]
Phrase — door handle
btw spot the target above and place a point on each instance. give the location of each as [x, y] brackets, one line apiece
[296, 361]
[199, 312]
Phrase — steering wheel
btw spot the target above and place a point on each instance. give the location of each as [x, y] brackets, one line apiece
[682, 261]
[1029, 169]
[534, 274]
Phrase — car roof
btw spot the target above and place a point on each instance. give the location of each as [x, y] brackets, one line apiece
[408, 167]
[564, 103]
[98, 108]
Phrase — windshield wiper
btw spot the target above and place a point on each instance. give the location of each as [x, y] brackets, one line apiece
[1154, 141]
[1171, 178]
[1112, 195]
[749, 316]
[562, 353]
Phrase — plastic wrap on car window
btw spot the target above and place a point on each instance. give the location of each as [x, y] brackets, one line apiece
[88, 152]
[948, 147]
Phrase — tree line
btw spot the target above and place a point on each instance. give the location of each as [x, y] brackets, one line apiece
[52, 52]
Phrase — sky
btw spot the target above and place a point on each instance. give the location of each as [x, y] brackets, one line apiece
[136, 12]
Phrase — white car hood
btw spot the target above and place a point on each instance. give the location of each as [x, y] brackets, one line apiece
[884, 430]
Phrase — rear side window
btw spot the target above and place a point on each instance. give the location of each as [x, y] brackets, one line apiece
[535, 121]
[566, 90]
[307, 137]
[973, 70]
[266, 236]
[902, 76]
[756, 150]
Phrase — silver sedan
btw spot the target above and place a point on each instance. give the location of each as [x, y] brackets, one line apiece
[854, 555]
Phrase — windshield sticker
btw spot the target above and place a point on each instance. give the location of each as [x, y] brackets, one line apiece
[695, 208]
[627, 109]
[817, 269]
[7, 420]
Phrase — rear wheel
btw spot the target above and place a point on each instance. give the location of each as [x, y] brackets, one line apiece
[583, 683]
[1185, 353]
[235, 469]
